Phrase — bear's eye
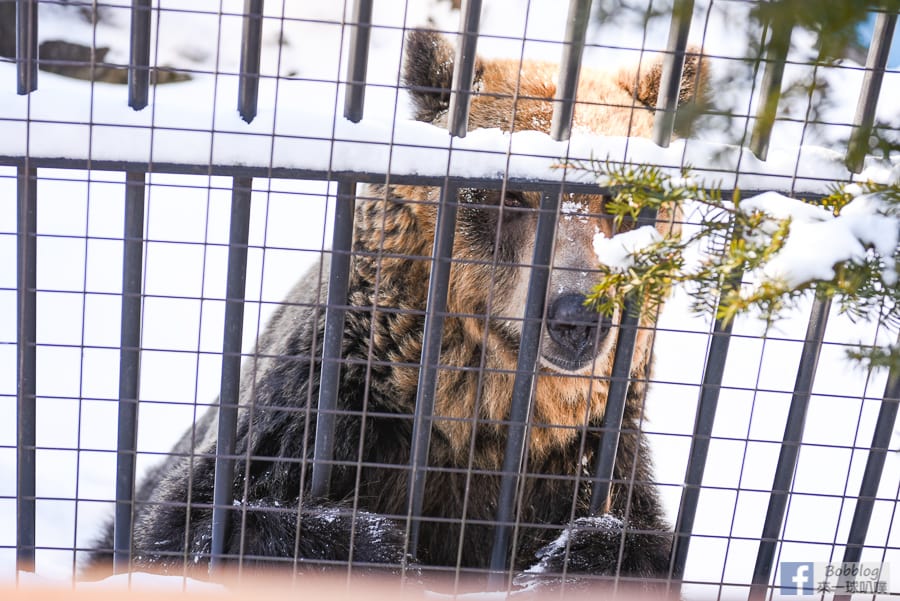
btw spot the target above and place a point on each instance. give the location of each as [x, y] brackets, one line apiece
[514, 199]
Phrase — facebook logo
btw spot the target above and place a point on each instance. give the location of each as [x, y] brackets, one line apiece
[797, 578]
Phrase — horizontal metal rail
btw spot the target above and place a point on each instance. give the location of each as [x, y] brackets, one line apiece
[363, 177]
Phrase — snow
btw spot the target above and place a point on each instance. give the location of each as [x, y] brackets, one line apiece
[780, 206]
[619, 251]
[201, 132]
[817, 240]
[79, 252]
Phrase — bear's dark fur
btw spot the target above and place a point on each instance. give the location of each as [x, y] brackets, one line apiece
[363, 519]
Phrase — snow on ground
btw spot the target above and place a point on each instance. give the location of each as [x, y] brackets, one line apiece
[187, 228]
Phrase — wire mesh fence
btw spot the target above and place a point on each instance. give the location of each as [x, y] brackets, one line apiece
[432, 399]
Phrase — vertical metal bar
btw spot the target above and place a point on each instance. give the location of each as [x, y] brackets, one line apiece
[790, 449]
[570, 67]
[329, 382]
[703, 425]
[129, 370]
[223, 492]
[251, 50]
[464, 68]
[438, 285]
[359, 57]
[526, 367]
[26, 319]
[339, 269]
[672, 69]
[776, 54]
[139, 62]
[868, 490]
[617, 394]
[26, 46]
[616, 399]
[876, 62]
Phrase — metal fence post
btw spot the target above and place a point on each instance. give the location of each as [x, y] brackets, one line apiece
[129, 370]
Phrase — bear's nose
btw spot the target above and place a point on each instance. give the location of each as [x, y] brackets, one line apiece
[574, 326]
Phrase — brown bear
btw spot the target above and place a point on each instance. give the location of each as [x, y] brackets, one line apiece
[363, 520]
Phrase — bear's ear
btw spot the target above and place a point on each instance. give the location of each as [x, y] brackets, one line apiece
[645, 85]
[428, 73]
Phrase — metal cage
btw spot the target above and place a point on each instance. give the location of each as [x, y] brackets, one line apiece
[140, 178]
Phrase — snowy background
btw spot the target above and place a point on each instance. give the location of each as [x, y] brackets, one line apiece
[80, 216]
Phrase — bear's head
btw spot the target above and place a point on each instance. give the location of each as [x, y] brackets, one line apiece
[495, 241]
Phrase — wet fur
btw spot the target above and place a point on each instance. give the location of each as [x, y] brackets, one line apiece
[379, 381]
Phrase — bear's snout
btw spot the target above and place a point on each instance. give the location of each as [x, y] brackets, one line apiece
[576, 331]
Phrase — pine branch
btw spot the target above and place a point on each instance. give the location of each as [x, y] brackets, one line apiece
[744, 237]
